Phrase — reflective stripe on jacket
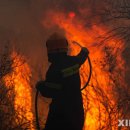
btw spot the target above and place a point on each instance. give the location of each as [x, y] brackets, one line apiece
[52, 85]
[70, 70]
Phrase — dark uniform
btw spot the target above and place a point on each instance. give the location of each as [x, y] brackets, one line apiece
[62, 84]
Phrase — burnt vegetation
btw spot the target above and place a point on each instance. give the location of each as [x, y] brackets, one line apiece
[116, 14]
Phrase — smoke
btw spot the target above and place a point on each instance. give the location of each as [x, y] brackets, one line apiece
[21, 24]
[21, 20]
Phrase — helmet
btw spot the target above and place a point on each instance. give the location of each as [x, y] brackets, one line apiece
[57, 43]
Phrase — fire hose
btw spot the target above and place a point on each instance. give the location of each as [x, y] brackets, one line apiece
[90, 67]
[37, 92]
[90, 74]
[36, 111]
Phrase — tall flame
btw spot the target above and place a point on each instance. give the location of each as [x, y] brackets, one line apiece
[20, 78]
[100, 97]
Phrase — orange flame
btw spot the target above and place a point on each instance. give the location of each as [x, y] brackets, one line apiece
[99, 97]
[20, 78]
[100, 101]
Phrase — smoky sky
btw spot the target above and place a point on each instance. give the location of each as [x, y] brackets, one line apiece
[20, 23]
[21, 19]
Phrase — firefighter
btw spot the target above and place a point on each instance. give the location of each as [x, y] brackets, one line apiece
[62, 84]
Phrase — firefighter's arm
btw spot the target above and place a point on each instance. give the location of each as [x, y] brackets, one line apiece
[48, 89]
[40, 85]
[82, 56]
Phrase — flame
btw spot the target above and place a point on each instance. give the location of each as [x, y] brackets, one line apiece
[99, 97]
[20, 78]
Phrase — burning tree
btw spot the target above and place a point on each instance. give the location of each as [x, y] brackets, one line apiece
[106, 99]
[15, 110]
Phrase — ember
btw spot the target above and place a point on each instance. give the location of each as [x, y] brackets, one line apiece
[72, 15]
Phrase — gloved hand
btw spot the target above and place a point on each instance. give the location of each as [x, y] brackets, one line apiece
[85, 50]
[39, 85]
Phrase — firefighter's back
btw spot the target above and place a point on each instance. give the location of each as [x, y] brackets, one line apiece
[66, 108]
[73, 106]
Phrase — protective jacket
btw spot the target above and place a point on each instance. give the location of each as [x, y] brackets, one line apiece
[62, 84]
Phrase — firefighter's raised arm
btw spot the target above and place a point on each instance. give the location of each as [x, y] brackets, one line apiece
[82, 56]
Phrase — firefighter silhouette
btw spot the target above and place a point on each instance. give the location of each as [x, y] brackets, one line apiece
[62, 84]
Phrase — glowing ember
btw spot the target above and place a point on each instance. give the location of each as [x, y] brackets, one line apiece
[72, 14]
[100, 100]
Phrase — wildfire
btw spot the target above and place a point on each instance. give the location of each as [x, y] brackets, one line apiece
[100, 98]
[100, 101]
[20, 79]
